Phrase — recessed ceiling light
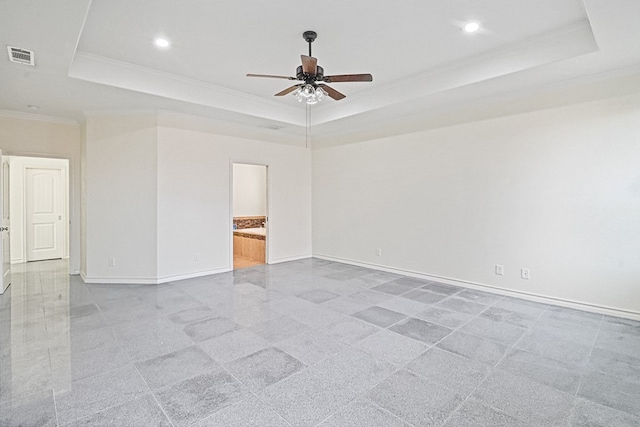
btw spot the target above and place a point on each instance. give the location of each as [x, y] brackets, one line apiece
[471, 27]
[33, 107]
[160, 42]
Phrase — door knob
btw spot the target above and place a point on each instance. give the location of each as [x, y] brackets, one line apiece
[4, 228]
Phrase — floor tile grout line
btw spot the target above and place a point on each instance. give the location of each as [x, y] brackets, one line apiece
[364, 392]
[117, 404]
[492, 369]
[470, 394]
[155, 398]
[396, 369]
[593, 346]
[389, 412]
[53, 391]
[457, 329]
[527, 330]
[512, 346]
[489, 371]
[55, 406]
[255, 394]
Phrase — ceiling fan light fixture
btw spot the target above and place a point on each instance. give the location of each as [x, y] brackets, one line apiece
[309, 94]
[308, 91]
[321, 93]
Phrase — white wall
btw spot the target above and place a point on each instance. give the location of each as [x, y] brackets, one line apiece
[555, 191]
[56, 140]
[158, 199]
[249, 190]
[18, 166]
[194, 212]
[121, 198]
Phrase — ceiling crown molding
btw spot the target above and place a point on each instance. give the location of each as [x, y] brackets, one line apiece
[37, 117]
[564, 43]
[107, 71]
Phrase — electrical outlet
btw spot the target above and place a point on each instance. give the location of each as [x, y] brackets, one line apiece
[499, 269]
[196, 257]
[525, 273]
[378, 252]
[112, 262]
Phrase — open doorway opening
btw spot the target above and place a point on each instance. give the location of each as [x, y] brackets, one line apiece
[250, 216]
[39, 208]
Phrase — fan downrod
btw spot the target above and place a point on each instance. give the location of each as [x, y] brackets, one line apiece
[309, 36]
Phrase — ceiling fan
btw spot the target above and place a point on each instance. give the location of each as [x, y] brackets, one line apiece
[313, 88]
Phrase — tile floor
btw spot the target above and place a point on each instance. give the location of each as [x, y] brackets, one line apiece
[305, 343]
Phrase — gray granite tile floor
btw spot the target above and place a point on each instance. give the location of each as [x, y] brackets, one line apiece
[305, 343]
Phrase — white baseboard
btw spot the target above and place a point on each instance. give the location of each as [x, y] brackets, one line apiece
[295, 258]
[191, 275]
[593, 308]
[148, 280]
[119, 280]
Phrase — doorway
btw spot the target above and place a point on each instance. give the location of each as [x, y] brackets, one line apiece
[250, 218]
[39, 200]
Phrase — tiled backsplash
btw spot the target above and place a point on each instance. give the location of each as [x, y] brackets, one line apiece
[241, 222]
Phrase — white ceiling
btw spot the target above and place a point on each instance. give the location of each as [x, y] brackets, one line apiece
[98, 56]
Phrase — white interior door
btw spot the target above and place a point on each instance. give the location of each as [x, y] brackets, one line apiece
[44, 213]
[5, 280]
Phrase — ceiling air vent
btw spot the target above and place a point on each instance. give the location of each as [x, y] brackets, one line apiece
[273, 127]
[21, 56]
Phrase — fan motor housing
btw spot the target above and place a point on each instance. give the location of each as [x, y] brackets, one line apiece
[300, 75]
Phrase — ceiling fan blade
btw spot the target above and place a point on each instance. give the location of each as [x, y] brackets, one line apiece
[332, 92]
[309, 65]
[287, 90]
[271, 77]
[348, 78]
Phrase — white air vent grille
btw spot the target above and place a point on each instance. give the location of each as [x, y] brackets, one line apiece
[21, 56]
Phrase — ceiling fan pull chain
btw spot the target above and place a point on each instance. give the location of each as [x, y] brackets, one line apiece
[308, 126]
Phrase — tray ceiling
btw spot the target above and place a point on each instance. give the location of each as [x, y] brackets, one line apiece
[99, 56]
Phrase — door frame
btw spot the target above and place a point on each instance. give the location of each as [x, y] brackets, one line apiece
[5, 206]
[39, 162]
[268, 200]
